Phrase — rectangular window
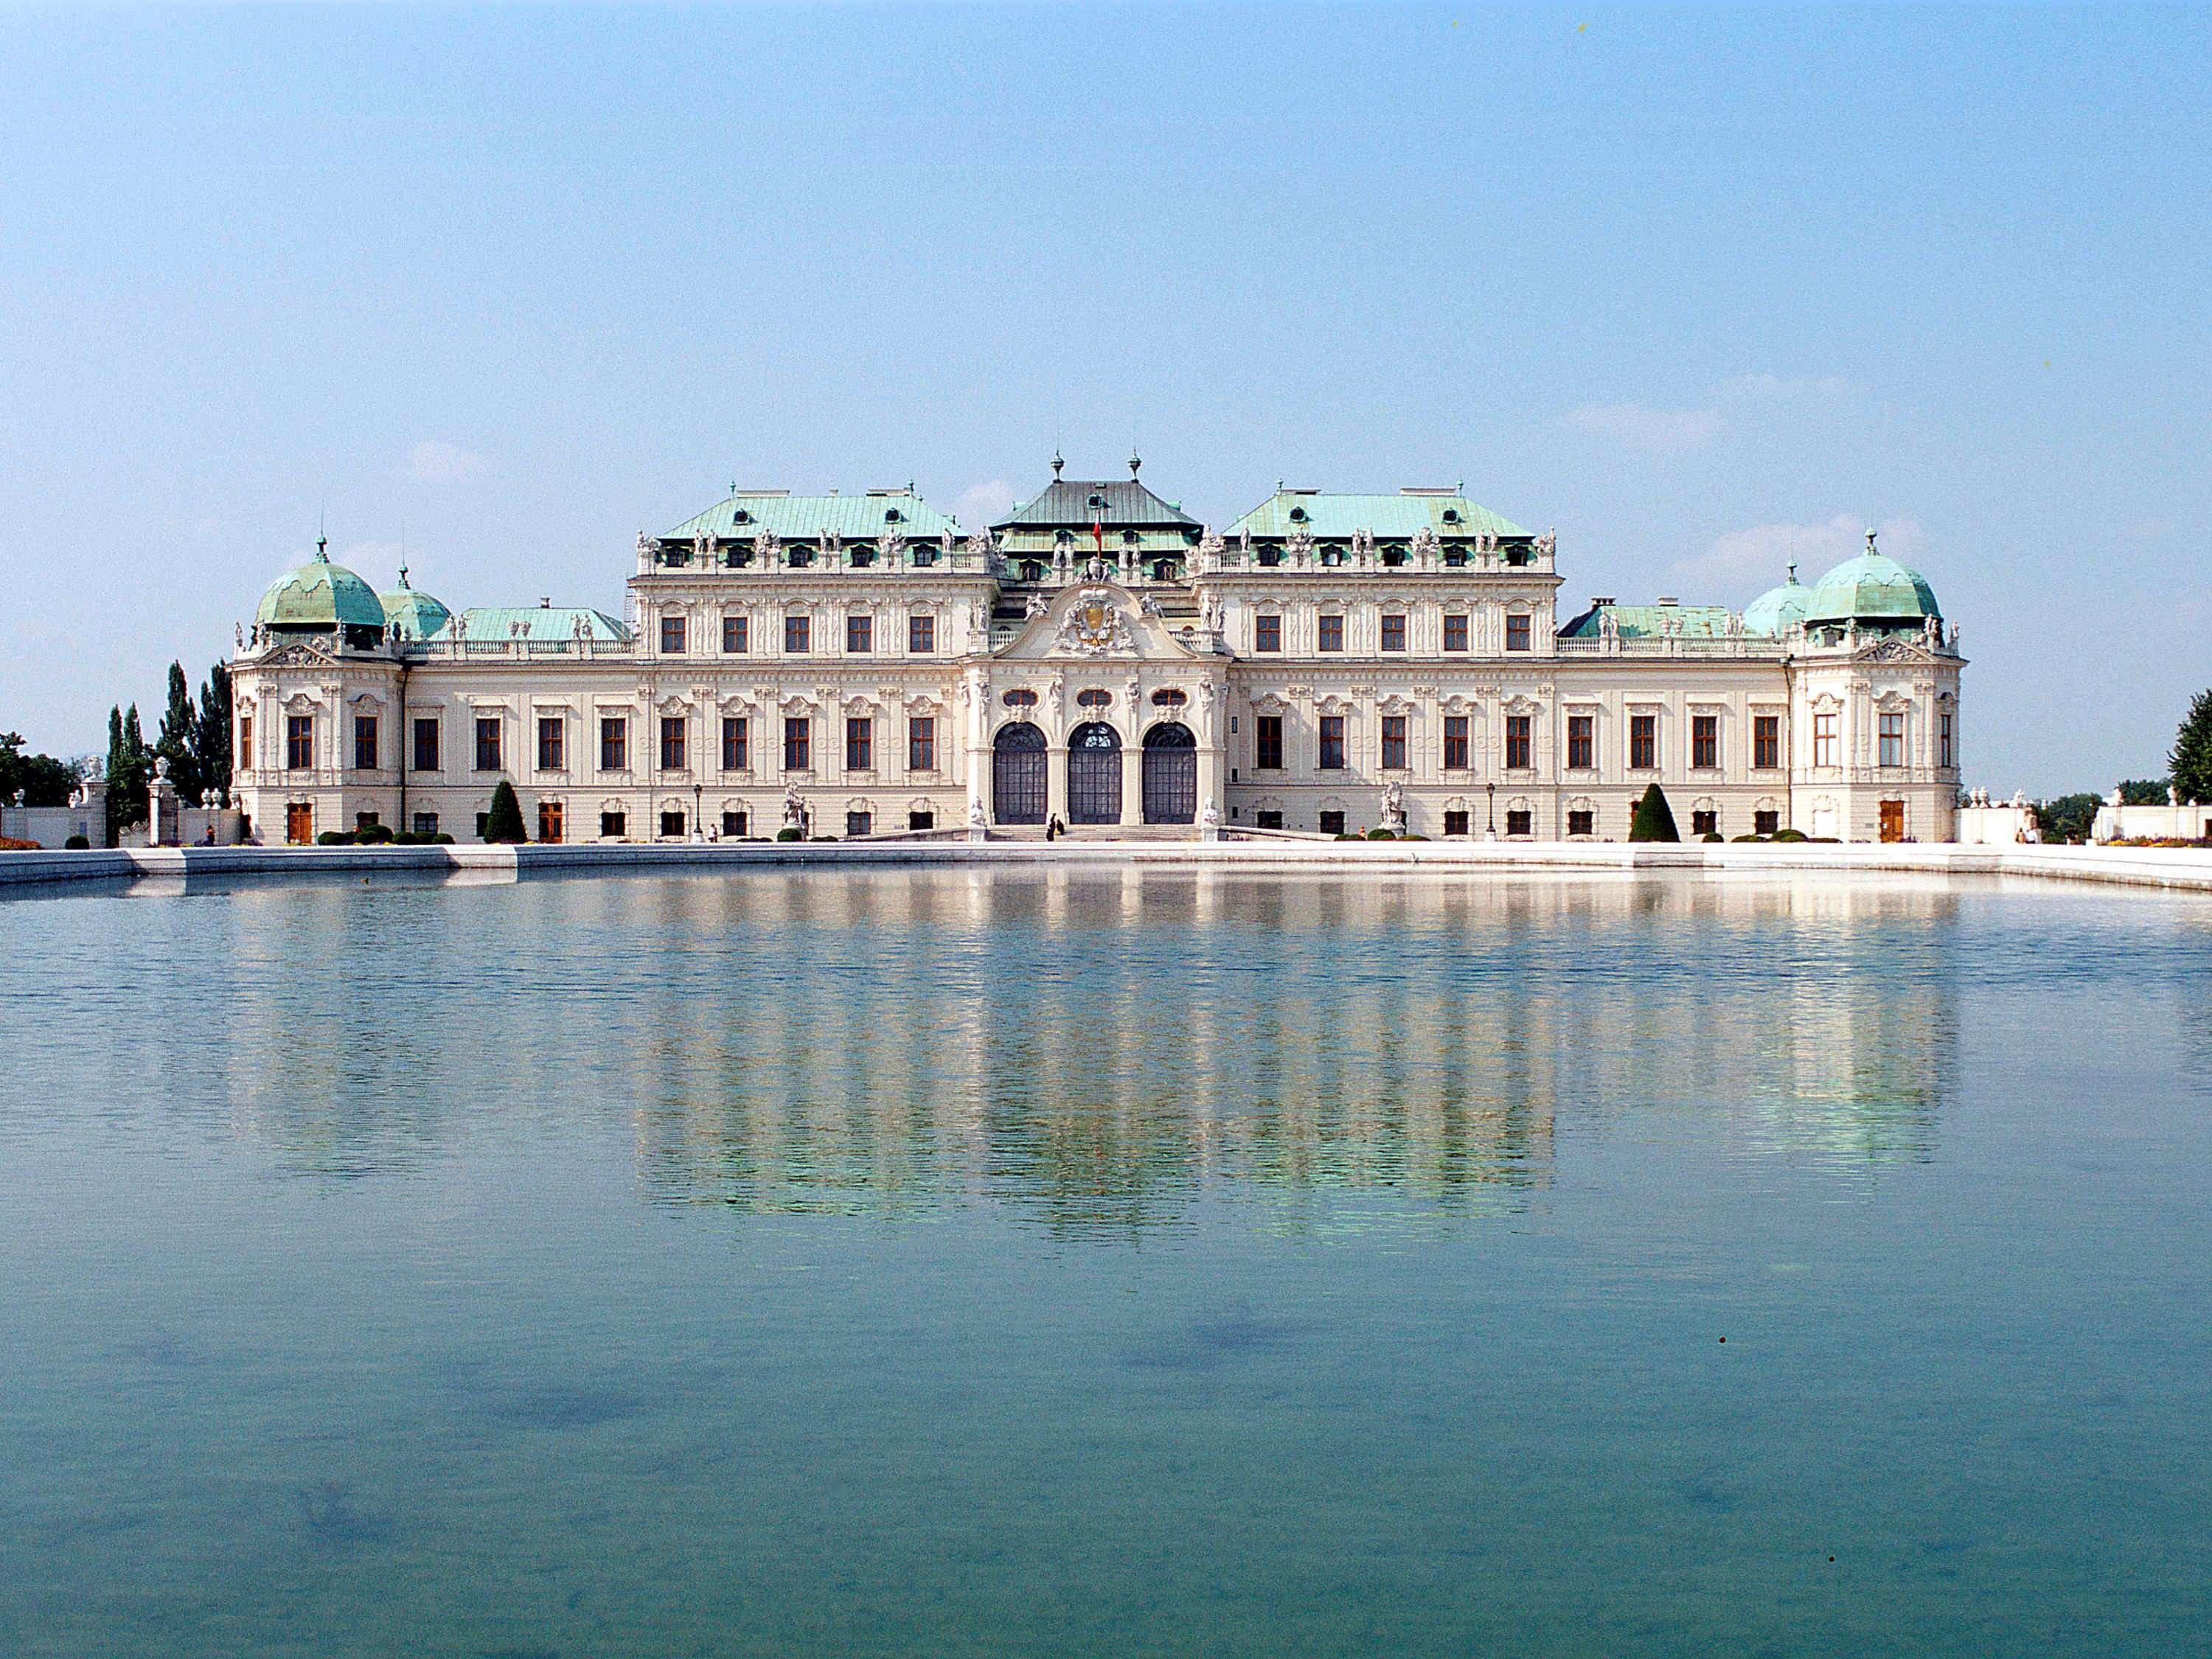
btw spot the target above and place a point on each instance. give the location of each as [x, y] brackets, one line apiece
[672, 636]
[552, 821]
[859, 743]
[1267, 743]
[1767, 741]
[299, 742]
[1706, 822]
[1516, 632]
[1267, 818]
[365, 820]
[733, 825]
[797, 634]
[737, 750]
[1891, 735]
[246, 741]
[1394, 743]
[613, 826]
[797, 743]
[483, 825]
[1943, 740]
[1824, 739]
[1582, 821]
[614, 743]
[1456, 759]
[1266, 633]
[1455, 633]
[1518, 821]
[921, 817]
[488, 746]
[671, 826]
[736, 635]
[1394, 632]
[673, 757]
[1456, 822]
[427, 757]
[1705, 740]
[364, 742]
[552, 742]
[860, 635]
[921, 744]
[1581, 742]
[1765, 823]
[920, 636]
[1332, 742]
[859, 823]
[1518, 744]
[1331, 823]
[426, 823]
[1643, 741]
[1332, 632]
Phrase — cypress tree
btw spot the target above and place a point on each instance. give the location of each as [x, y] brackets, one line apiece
[129, 767]
[2191, 759]
[1653, 820]
[505, 820]
[179, 742]
[211, 741]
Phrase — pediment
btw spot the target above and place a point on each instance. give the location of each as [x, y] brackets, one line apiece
[298, 654]
[1890, 649]
[1096, 621]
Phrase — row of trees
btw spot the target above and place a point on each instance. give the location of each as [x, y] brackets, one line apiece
[194, 738]
[2071, 817]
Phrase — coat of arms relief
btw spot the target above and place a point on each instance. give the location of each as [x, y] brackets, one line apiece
[1094, 626]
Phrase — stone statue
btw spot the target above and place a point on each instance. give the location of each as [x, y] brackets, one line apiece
[238, 636]
[645, 547]
[766, 545]
[1394, 806]
[981, 550]
[890, 544]
[1209, 550]
[978, 819]
[794, 810]
[1209, 821]
[702, 549]
[2113, 799]
[945, 544]
[1037, 606]
[1244, 546]
[1149, 606]
[832, 545]
[1298, 547]
[1425, 544]
[1547, 544]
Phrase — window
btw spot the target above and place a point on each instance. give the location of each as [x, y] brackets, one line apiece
[859, 823]
[673, 757]
[860, 635]
[1706, 822]
[488, 758]
[426, 823]
[1267, 743]
[1765, 821]
[484, 825]
[299, 742]
[737, 750]
[1581, 821]
[733, 825]
[1094, 703]
[1456, 822]
[797, 743]
[797, 635]
[1021, 702]
[246, 740]
[921, 635]
[1332, 632]
[922, 555]
[1517, 632]
[1518, 822]
[1455, 633]
[672, 636]
[1705, 740]
[799, 558]
[1032, 571]
[1331, 823]
[1394, 743]
[1824, 739]
[920, 817]
[614, 743]
[1943, 740]
[1394, 632]
[1517, 743]
[1891, 735]
[365, 820]
[1270, 557]
[364, 742]
[672, 824]
[921, 744]
[1267, 818]
[1767, 741]
[552, 742]
[1643, 741]
[1581, 742]
[737, 636]
[860, 558]
[1456, 757]
[552, 821]
[427, 758]
[1266, 633]
[613, 826]
[859, 743]
[1332, 742]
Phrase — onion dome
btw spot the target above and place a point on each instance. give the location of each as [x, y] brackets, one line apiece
[413, 616]
[1775, 611]
[1874, 591]
[319, 597]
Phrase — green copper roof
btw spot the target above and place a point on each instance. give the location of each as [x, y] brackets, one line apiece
[1651, 622]
[1389, 518]
[320, 594]
[500, 623]
[803, 518]
[1872, 587]
[1078, 503]
[412, 616]
[1771, 613]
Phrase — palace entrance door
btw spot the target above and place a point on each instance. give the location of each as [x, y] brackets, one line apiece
[1893, 820]
[299, 822]
[1094, 774]
[1017, 774]
[1170, 774]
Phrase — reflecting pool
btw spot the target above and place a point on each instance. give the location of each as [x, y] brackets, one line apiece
[1103, 1261]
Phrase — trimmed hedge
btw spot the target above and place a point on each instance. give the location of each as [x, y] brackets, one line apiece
[77, 844]
[503, 824]
[1653, 820]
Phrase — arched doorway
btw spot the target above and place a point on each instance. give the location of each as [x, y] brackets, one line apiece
[1094, 774]
[1170, 774]
[1017, 774]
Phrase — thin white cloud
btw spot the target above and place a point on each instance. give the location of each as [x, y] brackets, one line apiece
[1650, 431]
[1747, 561]
[979, 504]
[432, 461]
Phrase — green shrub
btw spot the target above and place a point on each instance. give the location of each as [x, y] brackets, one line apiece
[374, 834]
[1382, 835]
[335, 838]
[1712, 835]
[1348, 835]
[1751, 838]
[825, 837]
[1653, 820]
[1413, 837]
[443, 838]
[790, 834]
[1790, 834]
[77, 844]
[504, 822]
[405, 838]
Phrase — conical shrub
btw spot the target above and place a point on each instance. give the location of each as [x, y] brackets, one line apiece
[1653, 820]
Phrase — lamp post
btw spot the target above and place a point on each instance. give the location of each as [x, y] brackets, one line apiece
[1490, 787]
[698, 828]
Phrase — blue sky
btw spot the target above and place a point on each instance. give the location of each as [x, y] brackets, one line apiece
[1700, 289]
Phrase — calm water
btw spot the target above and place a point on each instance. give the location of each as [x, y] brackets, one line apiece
[1102, 1262]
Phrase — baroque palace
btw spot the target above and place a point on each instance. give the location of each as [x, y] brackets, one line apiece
[859, 665]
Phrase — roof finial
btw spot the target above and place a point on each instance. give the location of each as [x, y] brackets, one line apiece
[1135, 462]
[1056, 462]
[1793, 573]
[1870, 541]
[322, 543]
[403, 572]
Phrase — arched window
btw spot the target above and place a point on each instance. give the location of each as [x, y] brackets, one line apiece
[1170, 774]
[1094, 774]
[1170, 698]
[1094, 702]
[1032, 571]
[1022, 701]
[1017, 772]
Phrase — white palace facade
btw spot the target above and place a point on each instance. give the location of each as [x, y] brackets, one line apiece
[862, 663]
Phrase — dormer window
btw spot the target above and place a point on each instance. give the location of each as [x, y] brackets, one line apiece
[1270, 557]
[741, 517]
[861, 557]
[1394, 556]
[892, 515]
[1032, 571]
[1451, 515]
[1128, 538]
[1332, 557]
[1297, 515]
[1096, 501]
[1455, 558]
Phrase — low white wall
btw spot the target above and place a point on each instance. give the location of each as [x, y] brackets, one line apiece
[2151, 824]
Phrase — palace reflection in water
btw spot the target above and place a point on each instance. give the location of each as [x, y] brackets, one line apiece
[1101, 1048]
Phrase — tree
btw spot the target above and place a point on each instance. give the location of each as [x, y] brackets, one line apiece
[41, 780]
[2191, 759]
[1653, 820]
[176, 745]
[211, 743]
[2142, 792]
[2068, 818]
[504, 822]
[129, 768]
